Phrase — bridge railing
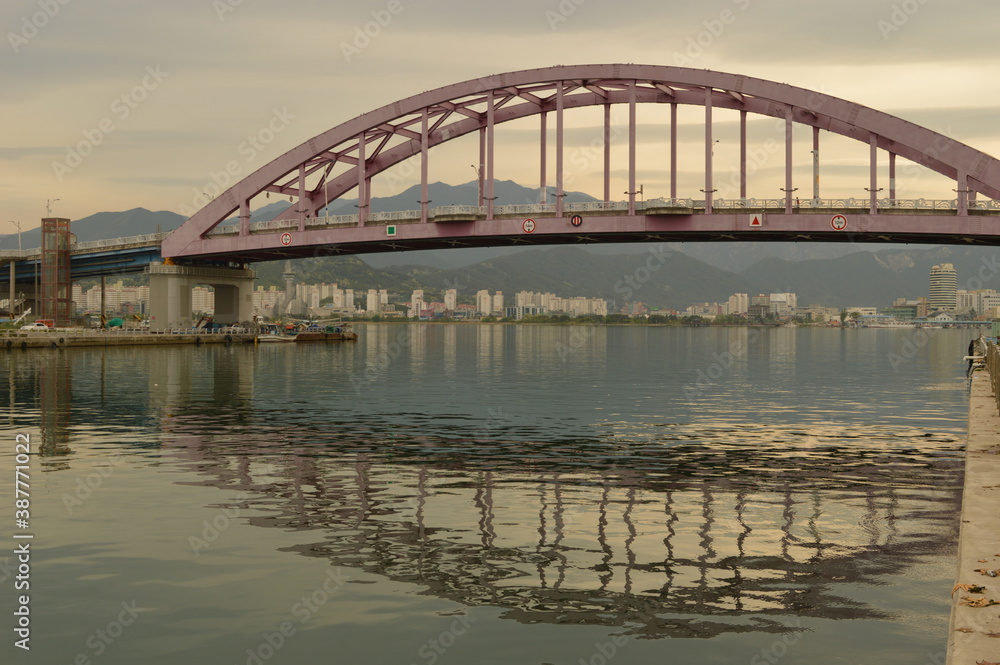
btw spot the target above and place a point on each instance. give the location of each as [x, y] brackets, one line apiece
[148, 238]
[749, 204]
[456, 210]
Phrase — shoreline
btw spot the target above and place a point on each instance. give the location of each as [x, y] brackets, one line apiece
[972, 629]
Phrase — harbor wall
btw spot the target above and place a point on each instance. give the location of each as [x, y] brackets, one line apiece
[974, 632]
[65, 339]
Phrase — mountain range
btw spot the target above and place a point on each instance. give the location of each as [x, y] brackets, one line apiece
[672, 275]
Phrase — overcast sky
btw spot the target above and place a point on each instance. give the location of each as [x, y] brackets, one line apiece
[160, 94]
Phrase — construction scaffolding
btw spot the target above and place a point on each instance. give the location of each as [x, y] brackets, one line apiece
[56, 301]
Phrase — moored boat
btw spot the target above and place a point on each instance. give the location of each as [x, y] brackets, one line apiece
[340, 332]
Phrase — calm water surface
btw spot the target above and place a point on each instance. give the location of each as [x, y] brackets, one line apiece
[445, 494]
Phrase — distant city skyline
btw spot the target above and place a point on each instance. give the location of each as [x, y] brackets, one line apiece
[143, 104]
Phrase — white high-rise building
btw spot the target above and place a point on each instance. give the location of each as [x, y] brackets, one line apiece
[416, 302]
[372, 302]
[498, 303]
[484, 303]
[451, 299]
[739, 303]
[943, 287]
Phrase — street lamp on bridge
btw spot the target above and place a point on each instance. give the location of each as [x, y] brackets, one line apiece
[18, 225]
[479, 183]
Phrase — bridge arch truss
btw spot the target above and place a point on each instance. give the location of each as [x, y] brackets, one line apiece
[346, 158]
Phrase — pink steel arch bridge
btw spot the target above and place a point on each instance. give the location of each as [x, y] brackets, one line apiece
[346, 157]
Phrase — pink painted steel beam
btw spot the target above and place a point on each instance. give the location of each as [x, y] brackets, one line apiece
[709, 150]
[631, 149]
[423, 166]
[873, 168]
[560, 127]
[490, 122]
[361, 168]
[607, 153]
[816, 163]
[743, 153]
[673, 150]
[543, 194]
[788, 159]
[482, 164]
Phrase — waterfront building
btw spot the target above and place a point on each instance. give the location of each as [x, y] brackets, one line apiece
[416, 302]
[943, 287]
[906, 310]
[451, 299]
[484, 303]
[117, 296]
[78, 304]
[202, 301]
[738, 303]
[782, 304]
[265, 300]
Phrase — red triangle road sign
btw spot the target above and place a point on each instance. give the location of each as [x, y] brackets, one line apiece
[757, 220]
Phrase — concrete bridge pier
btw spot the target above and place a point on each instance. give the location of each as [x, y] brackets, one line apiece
[170, 293]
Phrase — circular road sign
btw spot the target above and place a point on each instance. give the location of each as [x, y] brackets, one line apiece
[576, 220]
[286, 239]
[528, 226]
[839, 222]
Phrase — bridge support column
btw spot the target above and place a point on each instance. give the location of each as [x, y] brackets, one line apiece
[490, 112]
[170, 294]
[788, 160]
[362, 193]
[482, 164]
[892, 177]
[607, 153]
[709, 148]
[631, 149]
[559, 150]
[423, 165]
[963, 194]
[873, 166]
[816, 164]
[673, 150]
[543, 195]
[743, 155]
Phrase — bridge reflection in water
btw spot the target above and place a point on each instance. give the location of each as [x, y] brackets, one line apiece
[664, 542]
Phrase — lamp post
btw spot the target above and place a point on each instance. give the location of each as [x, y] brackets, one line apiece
[479, 184]
[18, 225]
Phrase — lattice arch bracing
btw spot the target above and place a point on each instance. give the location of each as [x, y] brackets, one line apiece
[346, 157]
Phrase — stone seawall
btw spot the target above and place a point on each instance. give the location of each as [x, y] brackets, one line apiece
[56, 339]
[974, 632]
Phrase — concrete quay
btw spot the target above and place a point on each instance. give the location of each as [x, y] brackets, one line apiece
[76, 337]
[974, 632]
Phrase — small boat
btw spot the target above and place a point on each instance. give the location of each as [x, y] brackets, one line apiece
[339, 332]
[273, 333]
[273, 337]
